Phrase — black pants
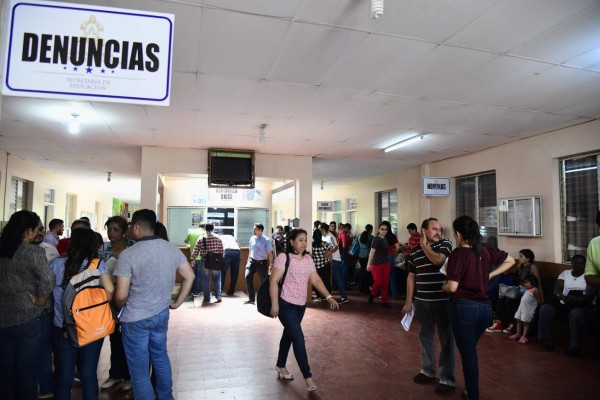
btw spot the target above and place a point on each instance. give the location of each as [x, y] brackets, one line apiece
[325, 275]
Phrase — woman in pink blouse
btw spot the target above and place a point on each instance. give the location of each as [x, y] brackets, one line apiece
[291, 304]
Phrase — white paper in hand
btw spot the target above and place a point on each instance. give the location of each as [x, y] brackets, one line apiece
[408, 317]
[444, 267]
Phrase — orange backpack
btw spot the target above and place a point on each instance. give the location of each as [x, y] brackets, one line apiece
[86, 310]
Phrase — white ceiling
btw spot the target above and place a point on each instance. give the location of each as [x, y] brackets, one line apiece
[334, 84]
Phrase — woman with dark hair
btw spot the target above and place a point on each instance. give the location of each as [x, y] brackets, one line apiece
[468, 273]
[83, 249]
[118, 240]
[393, 248]
[321, 252]
[291, 304]
[160, 230]
[379, 265]
[365, 280]
[506, 307]
[25, 286]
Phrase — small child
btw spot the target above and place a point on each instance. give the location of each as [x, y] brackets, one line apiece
[526, 311]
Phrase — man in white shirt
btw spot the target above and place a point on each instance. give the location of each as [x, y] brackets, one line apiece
[336, 263]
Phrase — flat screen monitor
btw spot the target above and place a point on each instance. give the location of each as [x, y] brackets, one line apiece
[230, 168]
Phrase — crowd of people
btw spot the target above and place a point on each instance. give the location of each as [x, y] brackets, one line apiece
[462, 291]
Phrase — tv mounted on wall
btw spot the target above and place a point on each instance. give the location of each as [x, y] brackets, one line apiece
[230, 168]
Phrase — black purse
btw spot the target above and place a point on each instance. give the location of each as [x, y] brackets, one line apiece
[213, 261]
[263, 297]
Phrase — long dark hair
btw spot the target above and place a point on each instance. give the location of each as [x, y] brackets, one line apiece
[469, 230]
[82, 245]
[14, 231]
[292, 236]
[389, 236]
[317, 238]
[527, 253]
[364, 237]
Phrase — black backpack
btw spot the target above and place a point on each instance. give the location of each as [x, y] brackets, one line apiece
[263, 298]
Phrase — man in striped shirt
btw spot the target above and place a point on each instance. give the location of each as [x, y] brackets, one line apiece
[432, 306]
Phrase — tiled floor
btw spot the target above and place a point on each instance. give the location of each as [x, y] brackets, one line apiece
[228, 350]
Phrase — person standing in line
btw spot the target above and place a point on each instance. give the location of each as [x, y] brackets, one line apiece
[321, 252]
[336, 262]
[291, 304]
[26, 284]
[432, 306]
[365, 279]
[118, 241]
[192, 238]
[260, 259]
[413, 240]
[379, 265]
[56, 228]
[231, 258]
[469, 272]
[393, 248]
[83, 249]
[145, 277]
[209, 243]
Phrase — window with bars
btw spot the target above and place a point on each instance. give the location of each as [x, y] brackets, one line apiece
[579, 203]
[70, 203]
[19, 195]
[476, 197]
[387, 208]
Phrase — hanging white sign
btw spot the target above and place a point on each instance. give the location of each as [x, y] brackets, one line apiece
[436, 186]
[82, 52]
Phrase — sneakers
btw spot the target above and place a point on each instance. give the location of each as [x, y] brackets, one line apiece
[110, 382]
[516, 336]
[523, 340]
[496, 328]
[442, 388]
[196, 294]
[45, 395]
[249, 302]
[343, 300]
[126, 385]
[317, 300]
[510, 329]
[423, 379]
[219, 299]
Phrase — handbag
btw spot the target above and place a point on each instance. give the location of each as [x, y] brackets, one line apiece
[212, 260]
[400, 261]
[511, 292]
[355, 250]
[263, 297]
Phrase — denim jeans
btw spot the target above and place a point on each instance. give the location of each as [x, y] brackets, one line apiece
[146, 340]
[45, 372]
[197, 285]
[67, 358]
[207, 276]
[430, 314]
[19, 349]
[232, 258]
[338, 277]
[290, 316]
[469, 319]
[252, 267]
[546, 321]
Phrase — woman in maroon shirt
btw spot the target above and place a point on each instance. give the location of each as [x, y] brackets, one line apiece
[468, 273]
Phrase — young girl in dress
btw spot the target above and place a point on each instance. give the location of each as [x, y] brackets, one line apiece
[526, 311]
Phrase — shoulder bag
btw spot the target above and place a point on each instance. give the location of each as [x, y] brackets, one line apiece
[511, 292]
[263, 297]
[212, 260]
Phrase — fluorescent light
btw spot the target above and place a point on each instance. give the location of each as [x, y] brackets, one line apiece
[404, 142]
[74, 125]
[580, 169]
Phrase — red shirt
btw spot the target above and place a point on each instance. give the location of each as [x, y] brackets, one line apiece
[413, 240]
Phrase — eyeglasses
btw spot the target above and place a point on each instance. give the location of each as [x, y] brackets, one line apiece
[41, 229]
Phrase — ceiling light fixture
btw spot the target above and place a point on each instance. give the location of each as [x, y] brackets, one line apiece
[108, 176]
[376, 8]
[74, 125]
[261, 135]
[405, 142]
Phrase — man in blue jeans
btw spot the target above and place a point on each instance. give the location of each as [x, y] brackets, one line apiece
[232, 258]
[145, 277]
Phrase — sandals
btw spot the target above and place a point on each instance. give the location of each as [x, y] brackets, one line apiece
[516, 336]
[523, 340]
[283, 373]
[310, 385]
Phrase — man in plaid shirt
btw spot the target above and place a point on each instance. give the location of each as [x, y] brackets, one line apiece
[213, 244]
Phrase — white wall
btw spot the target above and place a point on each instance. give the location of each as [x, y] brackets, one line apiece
[524, 168]
[87, 198]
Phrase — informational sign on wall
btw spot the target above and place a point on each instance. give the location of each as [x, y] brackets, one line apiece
[436, 186]
[82, 52]
[324, 205]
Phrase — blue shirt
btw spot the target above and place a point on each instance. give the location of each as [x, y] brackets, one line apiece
[260, 247]
[58, 267]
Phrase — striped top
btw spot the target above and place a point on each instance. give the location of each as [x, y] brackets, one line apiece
[428, 278]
